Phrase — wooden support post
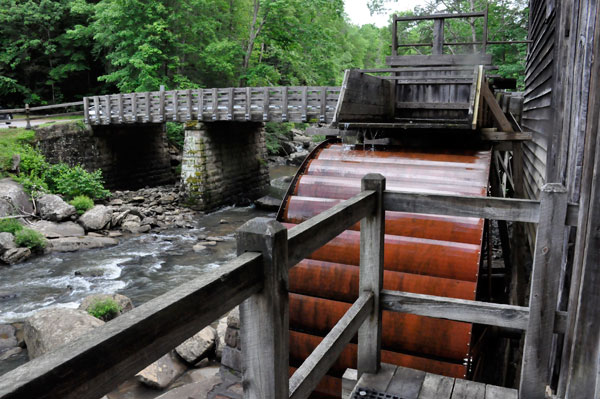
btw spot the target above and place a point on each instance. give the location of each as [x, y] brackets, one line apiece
[284, 104]
[108, 109]
[304, 111]
[188, 97]
[323, 101]
[175, 106]
[133, 107]
[394, 36]
[438, 37]
[148, 107]
[86, 110]
[162, 108]
[535, 370]
[264, 316]
[265, 104]
[372, 230]
[248, 103]
[96, 110]
[484, 39]
[121, 111]
[497, 113]
[28, 124]
[215, 103]
[200, 104]
[230, 104]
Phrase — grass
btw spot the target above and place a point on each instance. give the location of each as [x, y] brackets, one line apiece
[14, 141]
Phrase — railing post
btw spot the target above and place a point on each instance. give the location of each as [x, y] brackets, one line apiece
[545, 277]
[372, 230]
[28, 125]
[264, 317]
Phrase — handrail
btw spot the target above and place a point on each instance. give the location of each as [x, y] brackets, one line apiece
[97, 362]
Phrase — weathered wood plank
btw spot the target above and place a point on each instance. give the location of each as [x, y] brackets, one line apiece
[148, 107]
[406, 383]
[470, 206]
[371, 275]
[420, 105]
[121, 110]
[264, 316]
[497, 112]
[436, 387]
[175, 97]
[349, 380]
[94, 364]
[265, 104]
[495, 392]
[215, 104]
[535, 374]
[380, 381]
[506, 136]
[200, 104]
[162, 107]
[284, 103]
[312, 234]
[304, 104]
[440, 60]
[188, 98]
[96, 110]
[86, 110]
[464, 389]
[309, 374]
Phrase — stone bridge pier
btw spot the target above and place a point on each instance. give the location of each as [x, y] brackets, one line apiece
[224, 163]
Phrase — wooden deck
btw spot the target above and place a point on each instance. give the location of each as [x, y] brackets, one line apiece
[406, 383]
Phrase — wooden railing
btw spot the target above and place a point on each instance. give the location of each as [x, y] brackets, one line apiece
[246, 104]
[257, 279]
[29, 110]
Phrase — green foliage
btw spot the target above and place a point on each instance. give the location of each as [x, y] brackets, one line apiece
[176, 134]
[104, 310]
[73, 181]
[10, 226]
[30, 239]
[82, 203]
[274, 132]
[318, 138]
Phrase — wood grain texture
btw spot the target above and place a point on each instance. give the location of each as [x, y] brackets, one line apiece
[91, 366]
[406, 383]
[436, 387]
[464, 389]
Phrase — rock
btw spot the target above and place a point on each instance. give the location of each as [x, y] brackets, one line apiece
[19, 333]
[114, 233]
[223, 221]
[15, 195]
[232, 358]
[198, 248]
[159, 209]
[268, 203]
[117, 219]
[15, 255]
[6, 209]
[199, 346]
[232, 337]
[8, 338]
[70, 244]
[56, 230]
[4, 296]
[209, 243]
[221, 331]
[286, 148]
[162, 372]
[124, 302]
[167, 199]
[138, 199]
[149, 220]
[52, 207]
[96, 218]
[49, 329]
[298, 157]
[280, 185]
[7, 241]
[197, 384]
[116, 202]
[7, 354]
[92, 234]
[214, 238]
[233, 318]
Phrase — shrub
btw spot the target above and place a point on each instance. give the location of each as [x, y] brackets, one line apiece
[10, 226]
[30, 239]
[31, 182]
[274, 132]
[176, 134]
[74, 181]
[82, 204]
[104, 310]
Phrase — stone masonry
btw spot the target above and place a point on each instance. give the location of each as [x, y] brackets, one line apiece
[224, 163]
[130, 156]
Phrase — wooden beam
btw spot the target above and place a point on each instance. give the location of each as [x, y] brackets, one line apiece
[506, 136]
[309, 374]
[372, 231]
[470, 206]
[476, 96]
[264, 317]
[439, 60]
[543, 298]
[497, 112]
[312, 234]
[438, 37]
[86, 110]
[94, 364]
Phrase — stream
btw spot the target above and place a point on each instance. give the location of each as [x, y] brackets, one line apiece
[141, 267]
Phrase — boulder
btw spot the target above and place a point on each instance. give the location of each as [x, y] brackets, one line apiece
[15, 255]
[70, 244]
[198, 384]
[49, 329]
[56, 230]
[124, 302]
[199, 248]
[52, 207]
[8, 337]
[298, 157]
[15, 195]
[6, 209]
[118, 218]
[199, 346]
[268, 203]
[233, 318]
[96, 218]
[7, 241]
[221, 331]
[162, 372]
[8, 353]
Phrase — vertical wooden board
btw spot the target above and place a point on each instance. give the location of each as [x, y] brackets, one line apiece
[188, 97]
[96, 110]
[349, 380]
[200, 116]
[304, 104]
[248, 104]
[86, 110]
[494, 392]
[230, 104]
[323, 103]
[284, 104]
[148, 107]
[215, 104]
[108, 113]
[265, 104]
[175, 106]
[436, 387]
[406, 383]
[121, 110]
[162, 106]
[464, 389]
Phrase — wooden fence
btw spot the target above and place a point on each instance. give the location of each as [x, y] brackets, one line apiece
[259, 104]
[29, 110]
[257, 279]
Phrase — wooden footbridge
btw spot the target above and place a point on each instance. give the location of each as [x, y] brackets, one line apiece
[375, 277]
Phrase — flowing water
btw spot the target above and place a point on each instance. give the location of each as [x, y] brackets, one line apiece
[141, 267]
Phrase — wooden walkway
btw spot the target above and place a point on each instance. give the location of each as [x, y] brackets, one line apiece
[405, 383]
[245, 104]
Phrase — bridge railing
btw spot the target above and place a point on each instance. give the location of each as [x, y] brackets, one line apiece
[246, 104]
[30, 112]
[257, 279]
